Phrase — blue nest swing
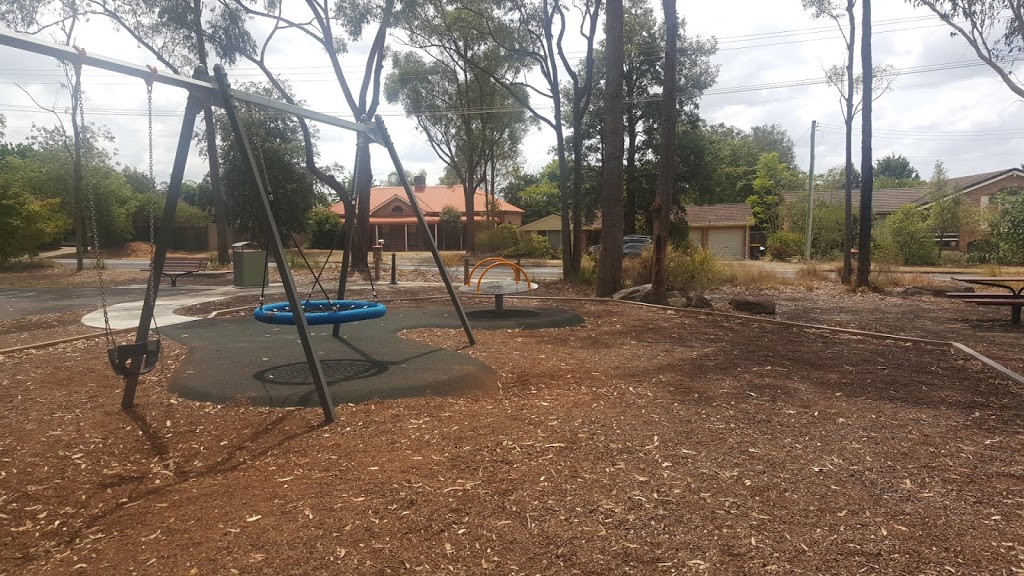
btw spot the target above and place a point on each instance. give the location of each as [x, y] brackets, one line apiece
[319, 312]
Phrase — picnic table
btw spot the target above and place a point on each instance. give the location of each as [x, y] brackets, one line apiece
[1012, 284]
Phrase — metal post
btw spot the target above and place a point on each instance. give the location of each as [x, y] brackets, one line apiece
[382, 132]
[394, 269]
[163, 241]
[810, 197]
[274, 235]
[465, 271]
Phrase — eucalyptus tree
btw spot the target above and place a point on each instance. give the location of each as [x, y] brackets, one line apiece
[333, 26]
[866, 165]
[534, 31]
[994, 29]
[469, 120]
[644, 37]
[171, 30]
[609, 266]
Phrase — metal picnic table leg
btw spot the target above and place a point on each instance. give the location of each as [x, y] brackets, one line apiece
[499, 304]
[1015, 314]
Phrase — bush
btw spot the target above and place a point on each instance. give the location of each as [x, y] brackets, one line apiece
[497, 240]
[785, 244]
[531, 246]
[905, 238]
[693, 269]
[325, 229]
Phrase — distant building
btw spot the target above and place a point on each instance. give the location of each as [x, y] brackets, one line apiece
[721, 228]
[977, 188]
[392, 218]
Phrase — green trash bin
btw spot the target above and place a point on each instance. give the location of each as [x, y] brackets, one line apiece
[249, 260]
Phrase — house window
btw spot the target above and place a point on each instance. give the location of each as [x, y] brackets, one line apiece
[396, 209]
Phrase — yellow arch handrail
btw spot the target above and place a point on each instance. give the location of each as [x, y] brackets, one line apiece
[482, 262]
[515, 268]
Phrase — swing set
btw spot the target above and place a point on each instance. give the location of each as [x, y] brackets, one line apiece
[132, 360]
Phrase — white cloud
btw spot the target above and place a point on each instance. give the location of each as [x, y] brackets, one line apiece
[914, 120]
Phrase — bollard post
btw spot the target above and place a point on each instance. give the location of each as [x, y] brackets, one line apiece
[465, 271]
[394, 277]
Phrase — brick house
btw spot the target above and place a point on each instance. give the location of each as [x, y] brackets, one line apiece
[393, 220]
[979, 189]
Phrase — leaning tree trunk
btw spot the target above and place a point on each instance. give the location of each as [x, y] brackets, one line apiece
[866, 166]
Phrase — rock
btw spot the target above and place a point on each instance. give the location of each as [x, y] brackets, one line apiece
[943, 291]
[675, 294]
[634, 294]
[678, 302]
[698, 300]
[753, 305]
[914, 291]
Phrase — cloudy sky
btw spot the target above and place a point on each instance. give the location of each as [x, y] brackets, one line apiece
[960, 113]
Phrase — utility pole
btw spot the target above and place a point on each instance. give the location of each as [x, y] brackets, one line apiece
[810, 197]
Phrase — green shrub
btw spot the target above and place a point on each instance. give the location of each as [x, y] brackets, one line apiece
[694, 269]
[785, 244]
[531, 246]
[325, 229]
[906, 238]
[498, 240]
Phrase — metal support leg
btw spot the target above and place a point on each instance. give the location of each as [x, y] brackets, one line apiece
[386, 139]
[270, 226]
[163, 242]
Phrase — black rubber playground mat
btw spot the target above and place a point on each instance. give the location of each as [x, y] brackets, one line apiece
[264, 364]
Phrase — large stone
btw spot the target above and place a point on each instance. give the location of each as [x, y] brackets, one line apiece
[678, 302]
[634, 294]
[698, 300]
[753, 305]
[914, 291]
[942, 291]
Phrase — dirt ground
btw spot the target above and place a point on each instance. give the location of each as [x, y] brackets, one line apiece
[646, 441]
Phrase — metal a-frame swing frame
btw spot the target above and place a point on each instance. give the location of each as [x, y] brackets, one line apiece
[216, 91]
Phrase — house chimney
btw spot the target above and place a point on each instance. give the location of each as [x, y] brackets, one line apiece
[419, 183]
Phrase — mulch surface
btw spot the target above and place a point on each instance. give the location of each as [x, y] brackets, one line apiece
[646, 441]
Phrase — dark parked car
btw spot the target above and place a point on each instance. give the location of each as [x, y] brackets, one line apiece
[632, 245]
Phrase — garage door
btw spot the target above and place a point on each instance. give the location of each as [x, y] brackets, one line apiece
[727, 242]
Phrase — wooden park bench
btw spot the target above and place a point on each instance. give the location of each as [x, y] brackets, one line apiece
[1014, 285]
[178, 266]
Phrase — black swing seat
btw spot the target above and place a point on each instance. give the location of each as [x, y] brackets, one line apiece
[120, 356]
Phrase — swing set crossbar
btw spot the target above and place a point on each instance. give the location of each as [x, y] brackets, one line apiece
[208, 90]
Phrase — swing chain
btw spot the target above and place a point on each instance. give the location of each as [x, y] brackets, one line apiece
[152, 179]
[90, 197]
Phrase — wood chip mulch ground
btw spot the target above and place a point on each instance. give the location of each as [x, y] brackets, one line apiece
[644, 442]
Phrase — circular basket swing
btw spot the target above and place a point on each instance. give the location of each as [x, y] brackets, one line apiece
[316, 312]
[320, 312]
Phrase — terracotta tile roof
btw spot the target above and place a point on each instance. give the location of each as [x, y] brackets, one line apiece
[432, 199]
[719, 214]
[962, 182]
[883, 200]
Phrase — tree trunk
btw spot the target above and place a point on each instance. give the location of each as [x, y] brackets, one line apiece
[220, 210]
[577, 191]
[568, 272]
[630, 207]
[468, 195]
[866, 166]
[609, 267]
[666, 164]
[363, 238]
[848, 206]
